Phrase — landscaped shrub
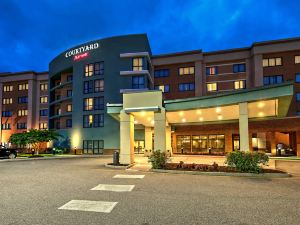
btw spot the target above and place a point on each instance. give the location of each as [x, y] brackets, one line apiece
[247, 161]
[158, 159]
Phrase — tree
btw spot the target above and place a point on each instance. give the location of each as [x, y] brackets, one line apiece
[34, 138]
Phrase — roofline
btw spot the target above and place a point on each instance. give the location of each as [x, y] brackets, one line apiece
[284, 40]
[24, 72]
[227, 51]
[192, 52]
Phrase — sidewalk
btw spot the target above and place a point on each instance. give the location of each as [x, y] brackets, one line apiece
[55, 157]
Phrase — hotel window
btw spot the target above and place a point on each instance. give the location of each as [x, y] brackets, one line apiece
[277, 79]
[69, 77]
[22, 112]
[88, 104]
[23, 99]
[238, 68]
[7, 88]
[44, 99]
[58, 111]
[98, 85]
[6, 126]
[57, 125]
[272, 62]
[138, 82]
[21, 126]
[213, 70]
[98, 120]
[69, 123]
[44, 87]
[298, 113]
[88, 121]
[298, 96]
[43, 126]
[7, 101]
[23, 87]
[161, 73]
[88, 86]
[199, 143]
[99, 68]
[186, 87]
[98, 103]
[216, 142]
[297, 59]
[69, 108]
[137, 64]
[297, 77]
[212, 87]
[44, 112]
[183, 143]
[240, 84]
[69, 93]
[186, 70]
[164, 88]
[89, 70]
[6, 113]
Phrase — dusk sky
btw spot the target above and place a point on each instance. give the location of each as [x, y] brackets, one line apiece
[32, 32]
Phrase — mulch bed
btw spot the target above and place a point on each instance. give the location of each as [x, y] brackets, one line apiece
[210, 168]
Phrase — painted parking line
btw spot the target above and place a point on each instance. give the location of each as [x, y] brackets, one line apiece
[129, 176]
[91, 206]
[112, 187]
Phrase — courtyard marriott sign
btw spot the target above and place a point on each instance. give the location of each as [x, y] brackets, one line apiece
[82, 49]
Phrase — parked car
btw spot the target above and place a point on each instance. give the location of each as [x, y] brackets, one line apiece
[5, 152]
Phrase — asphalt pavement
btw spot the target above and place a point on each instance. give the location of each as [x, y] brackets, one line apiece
[40, 192]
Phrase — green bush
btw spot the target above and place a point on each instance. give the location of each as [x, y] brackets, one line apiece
[158, 159]
[247, 161]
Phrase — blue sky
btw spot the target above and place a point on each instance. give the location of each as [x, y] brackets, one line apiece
[32, 32]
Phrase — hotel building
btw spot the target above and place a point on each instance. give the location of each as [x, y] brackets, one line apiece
[24, 102]
[113, 94]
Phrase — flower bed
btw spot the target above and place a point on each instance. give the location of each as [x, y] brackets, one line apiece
[209, 168]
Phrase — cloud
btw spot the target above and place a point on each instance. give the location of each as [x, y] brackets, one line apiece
[33, 32]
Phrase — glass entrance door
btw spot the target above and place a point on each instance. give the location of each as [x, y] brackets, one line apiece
[139, 147]
[236, 142]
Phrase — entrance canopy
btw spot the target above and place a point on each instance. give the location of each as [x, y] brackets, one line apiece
[263, 103]
[147, 108]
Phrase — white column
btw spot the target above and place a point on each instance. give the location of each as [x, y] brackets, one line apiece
[243, 126]
[126, 138]
[160, 130]
[148, 139]
[168, 139]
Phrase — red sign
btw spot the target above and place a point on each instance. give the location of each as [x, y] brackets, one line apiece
[80, 56]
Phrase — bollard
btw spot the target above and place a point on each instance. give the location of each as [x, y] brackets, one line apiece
[116, 157]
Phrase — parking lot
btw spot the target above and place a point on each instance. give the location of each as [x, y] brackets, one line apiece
[59, 192]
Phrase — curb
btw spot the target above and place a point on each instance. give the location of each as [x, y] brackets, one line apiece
[54, 157]
[254, 175]
[118, 167]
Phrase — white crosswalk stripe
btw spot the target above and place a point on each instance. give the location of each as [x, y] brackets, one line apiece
[91, 206]
[113, 187]
[129, 176]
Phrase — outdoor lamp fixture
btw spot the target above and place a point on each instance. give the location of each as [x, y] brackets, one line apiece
[261, 104]
[199, 112]
[220, 117]
[181, 113]
[218, 109]
[261, 114]
[183, 120]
